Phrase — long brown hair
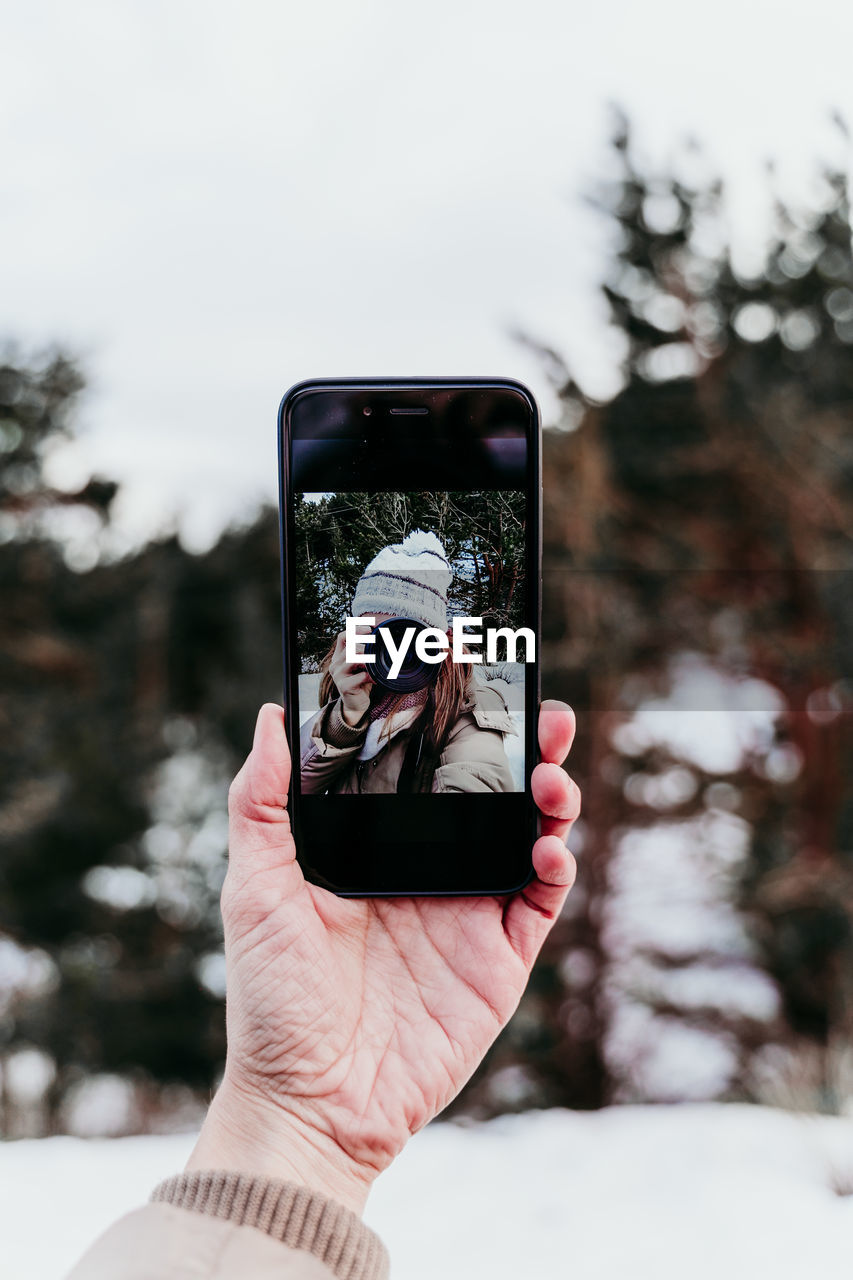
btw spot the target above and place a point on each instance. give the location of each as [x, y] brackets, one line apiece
[448, 695]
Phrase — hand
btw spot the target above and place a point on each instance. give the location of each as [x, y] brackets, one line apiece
[352, 1022]
[352, 683]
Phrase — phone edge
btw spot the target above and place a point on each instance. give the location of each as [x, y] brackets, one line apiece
[292, 727]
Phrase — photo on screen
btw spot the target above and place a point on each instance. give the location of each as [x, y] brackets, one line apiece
[421, 717]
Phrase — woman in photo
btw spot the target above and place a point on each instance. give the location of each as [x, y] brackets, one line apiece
[447, 737]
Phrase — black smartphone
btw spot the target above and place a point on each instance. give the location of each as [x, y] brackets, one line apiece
[411, 552]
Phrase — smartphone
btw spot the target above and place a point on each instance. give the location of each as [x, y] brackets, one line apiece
[411, 556]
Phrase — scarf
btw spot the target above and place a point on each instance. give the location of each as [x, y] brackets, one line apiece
[408, 708]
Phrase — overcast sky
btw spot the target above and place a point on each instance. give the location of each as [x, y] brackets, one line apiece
[208, 202]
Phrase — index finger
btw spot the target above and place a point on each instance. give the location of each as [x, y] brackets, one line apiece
[556, 730]
[358, 647]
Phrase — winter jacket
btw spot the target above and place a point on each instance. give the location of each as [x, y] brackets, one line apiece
[340, 758]
[232, 1226]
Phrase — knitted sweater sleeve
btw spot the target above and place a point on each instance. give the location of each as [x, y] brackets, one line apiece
[233, 1226]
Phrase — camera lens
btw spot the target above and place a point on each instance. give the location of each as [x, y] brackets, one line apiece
[414, 674]
[367, 411]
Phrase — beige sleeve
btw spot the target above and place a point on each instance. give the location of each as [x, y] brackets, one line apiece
[473, 760]
[229, 1226]
[329, 747]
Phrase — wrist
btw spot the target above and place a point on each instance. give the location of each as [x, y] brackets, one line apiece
[247, 1133]
[353, 716]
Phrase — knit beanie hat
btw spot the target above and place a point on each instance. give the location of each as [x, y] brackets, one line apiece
[409, 579]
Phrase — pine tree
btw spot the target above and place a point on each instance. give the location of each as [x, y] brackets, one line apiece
[707, 510]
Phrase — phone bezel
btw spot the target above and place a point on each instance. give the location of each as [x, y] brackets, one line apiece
[534, 535]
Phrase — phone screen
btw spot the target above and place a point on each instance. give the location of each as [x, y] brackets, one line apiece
[410, 540]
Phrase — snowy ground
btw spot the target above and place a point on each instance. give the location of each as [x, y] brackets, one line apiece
[651, 1193]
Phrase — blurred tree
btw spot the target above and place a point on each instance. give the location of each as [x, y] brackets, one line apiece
[118, 709]
[698, 535]
[707, 510]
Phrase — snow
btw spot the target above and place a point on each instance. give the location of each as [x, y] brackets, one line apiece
[656, 1193]
[707, 718]
[23, 971]
[309, 696]
[666, 1059]
[670, 888]
[674, 940]
[679, 952]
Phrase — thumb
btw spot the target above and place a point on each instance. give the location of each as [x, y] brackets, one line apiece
[257, 801]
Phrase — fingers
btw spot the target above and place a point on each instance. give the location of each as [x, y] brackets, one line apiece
[557, 798]
[352, 679]
[530, 913]
[348, 676]
[257, 800]
[340, 653]
[556, 730]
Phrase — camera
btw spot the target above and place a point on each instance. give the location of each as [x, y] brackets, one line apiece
[414, 673]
